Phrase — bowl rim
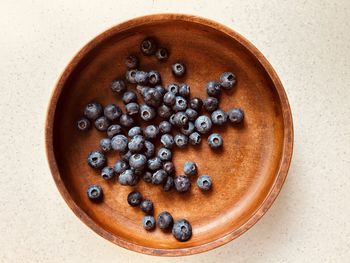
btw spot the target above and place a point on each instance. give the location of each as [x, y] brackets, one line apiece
[287, 142]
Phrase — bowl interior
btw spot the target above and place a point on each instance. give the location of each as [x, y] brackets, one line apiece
[243, 173]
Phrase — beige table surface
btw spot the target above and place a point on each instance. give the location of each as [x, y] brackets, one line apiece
[307, 42]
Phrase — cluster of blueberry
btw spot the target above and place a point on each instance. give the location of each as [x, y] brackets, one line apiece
[136, 145]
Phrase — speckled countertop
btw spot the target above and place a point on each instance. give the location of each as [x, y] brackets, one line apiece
[307, 42]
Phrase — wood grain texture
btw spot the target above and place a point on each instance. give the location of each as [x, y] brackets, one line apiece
[247, 175]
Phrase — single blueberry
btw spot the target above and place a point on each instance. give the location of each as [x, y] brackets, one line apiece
[136, 144]
[164, 154]
[180, 104]
[134, 198]
[147, 177]
[164, 127]
[141, 77]
[132, 108]
[148, 46]
[211, 104]
[174, 88]
[190, 168]
[126, 121]
[169, 183]
[182, 183]
[119, 143]
[113, 130]
[159, 177]
[181, 140]
[151, 131]
[184, 90]
[178, 69]
[235, 115]
[187, 129]
[105, 144]
[195, 138]
[204, 182]
[169, 98]
[102, 123]
[182, 230]
[164, 111]
[83, 124]
[191, 114]
[215, 141]
[153, 77]
[154, 164]
[112, 112]
[148, 222]
[196, 104]
[167, 140]
[228, 80]
[219, 117]
[213, 89]
[120, 166]
[95, 193]
[165, 220]
[152, 97]
[107, 173]
[93, 110]
[137, 161]
[147, 113]
[127, 177]
[149, 149]
[130, 76]
[169, 167]
[131, 62]
[118, 86]
[136, 130]
[181, 119]
[129, 96]
[96, 159]
[146, 206]
[203, 124]
[162, 54]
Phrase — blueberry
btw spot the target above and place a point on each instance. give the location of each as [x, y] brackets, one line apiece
[213, 89]
[195, 138]
[154, 164]
[228, 80]
[119, 143]
[203, 124]
[149, 149]
[151, 131]
[153, 97]
[136, 143]
[142, 89]
[174, 88]
[147, 113]
[127, 177]
[148, 46]
[113, 130]
[93, 110]
[95, 193]
[136, 130]
[164, 127]
[146, 206]
[120, 166]
[169, 98]
[165, 220]
[164, 111]
[219, 117]
[112, 112]
[215, 141]
[182, 183]
[153, 77]
[101, 123]
[184, 90]
[147, 177]
[172, 119]
[187, 129]
[125, 155]
[107, 173]
[118, 86]
[105, 144]
[169, 167]
[178, 69]
[190, 168]
[137, 161]
[160, 89]
[148, 222]
[130, 76]
[167, 140]
[162, 54]
[191, 114]
[181, 119]
[235, 115]
[181, 140]
[182, 230]
[134, 198]
[180, 104]
[138, 171]
[196, 104]
[131, 62]
[141, 77]
[211, 104]
[129, 96]
[169, 183]
[83, 124]
[132, 108]
[126, 121]
[159, 177]
[204, 182]
[164, 154]
[96, 159]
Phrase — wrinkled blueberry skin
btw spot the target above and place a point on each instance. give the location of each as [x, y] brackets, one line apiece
[182, 230]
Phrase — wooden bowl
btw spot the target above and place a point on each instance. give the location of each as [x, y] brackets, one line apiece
[247, 174]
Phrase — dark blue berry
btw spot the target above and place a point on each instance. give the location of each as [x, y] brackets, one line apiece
[150, 132]
[131, 62]
[213, 89]
[178, 69]
[219, 117]
[136, 130]
[181, 119]
[182, 230]
[184, 90]
[211, 104]
[153, 77]
[102, 123]
[164, 111]
[191, 114]
[167, 140]
[134, 198]
[112, 112]
[203, 124]
[181, 140]
[95, 193]
[215, 141]
[118, 86]
[180, 104]
[169, 167]
[159, 177]
[141, 77]
[196, 104]
[146, 206]
[107, 173]
[164, 127]
[113, 130]
[169, 98]
[182, 183]
[148, 222]
[204, 182]
[187, 129]
[236, 115]
[164, 154]
[96, 159]
[120, 166]
[149, 149]
[105, 144]
[174, 88]
[127, 177]
[83, 124]
[148, 46]
[93, 110]
[137, 161]
[165, 220]
[169, 183]
[147, 113]
[132, 108]
[162, 54]
[136, 143]
[119, 143]
[126, 121]
[190, 168]
[130, 77]
[154, 164]
[228, 80]
[147, 177]
[129, 96]
[195, 138]
[153, 97]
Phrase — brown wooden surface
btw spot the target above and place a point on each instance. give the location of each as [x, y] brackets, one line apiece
[247, 175]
